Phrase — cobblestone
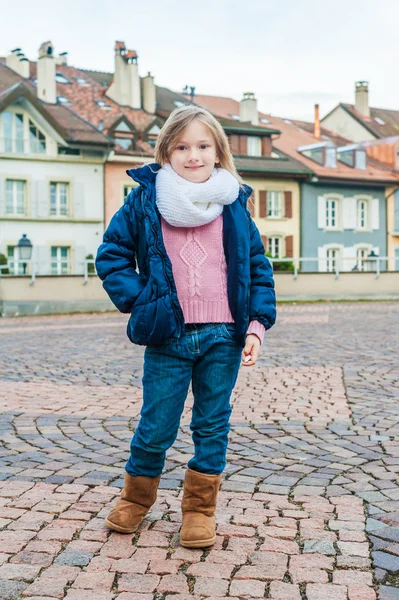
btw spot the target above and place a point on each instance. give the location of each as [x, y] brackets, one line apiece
[314, 452]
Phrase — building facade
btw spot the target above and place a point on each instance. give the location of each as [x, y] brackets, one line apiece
[51, 180]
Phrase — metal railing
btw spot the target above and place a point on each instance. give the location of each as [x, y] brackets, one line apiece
[33, 270]
[362, 265]
[334, 266]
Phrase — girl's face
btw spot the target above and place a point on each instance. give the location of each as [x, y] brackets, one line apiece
[194, 155]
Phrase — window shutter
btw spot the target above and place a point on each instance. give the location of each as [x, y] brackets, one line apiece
[350, 213]
[80, 255]
[322, 255]
[264, 242]
[78, 200]
[251, 204]
[289, 246]
[43, 256]
[396, 211]
[243, 144]
[288, 205]
[2, 198]
[41, 202]
[262, 204]
[321, 212]
[375, 213]
[349, 258]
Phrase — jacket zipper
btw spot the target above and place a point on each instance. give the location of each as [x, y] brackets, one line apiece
[159, 251]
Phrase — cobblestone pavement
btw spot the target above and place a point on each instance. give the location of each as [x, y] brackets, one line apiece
[309, 506]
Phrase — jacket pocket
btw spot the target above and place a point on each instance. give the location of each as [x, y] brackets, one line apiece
[136, 329]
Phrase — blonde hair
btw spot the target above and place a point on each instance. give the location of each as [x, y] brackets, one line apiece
[177, 122]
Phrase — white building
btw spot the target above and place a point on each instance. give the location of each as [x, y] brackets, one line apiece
[51, 171]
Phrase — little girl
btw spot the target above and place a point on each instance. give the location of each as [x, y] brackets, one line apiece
[201, 300]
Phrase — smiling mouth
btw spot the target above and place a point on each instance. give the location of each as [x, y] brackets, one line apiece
[197, 167]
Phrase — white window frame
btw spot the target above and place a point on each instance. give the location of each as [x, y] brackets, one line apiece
[324, 212]
[275, 242]
[61, 209]
[275, 199]
[14, 265]
[360, 200]
[60, 265]
[26, 143]
[15, 212]
[254, 146]
[331, 261]
[332, 209]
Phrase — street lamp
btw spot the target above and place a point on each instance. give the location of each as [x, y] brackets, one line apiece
[370, 262]
[24, 250]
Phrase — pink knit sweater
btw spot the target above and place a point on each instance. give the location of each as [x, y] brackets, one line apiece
[200, 273]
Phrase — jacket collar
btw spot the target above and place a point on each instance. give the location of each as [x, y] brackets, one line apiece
[144, 175]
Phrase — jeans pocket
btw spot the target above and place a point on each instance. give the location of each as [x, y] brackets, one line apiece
[228, 330]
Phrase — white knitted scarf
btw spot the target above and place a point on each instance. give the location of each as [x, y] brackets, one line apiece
[183, 203]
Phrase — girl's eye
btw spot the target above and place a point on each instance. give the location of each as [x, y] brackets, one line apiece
[181, 147]
[204, 146]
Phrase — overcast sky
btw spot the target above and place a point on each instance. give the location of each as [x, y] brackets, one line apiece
[291, 53]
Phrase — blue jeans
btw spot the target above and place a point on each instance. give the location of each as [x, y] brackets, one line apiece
[208, 356]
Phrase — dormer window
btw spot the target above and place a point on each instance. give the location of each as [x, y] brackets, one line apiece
[103, 105]
[324, 153]
[60, 78]
[353, 156]
[254, 146]
[62, 100]
[234, 117]
[81, 81]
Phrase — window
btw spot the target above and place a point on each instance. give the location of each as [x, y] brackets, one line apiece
[362, 214]
[275, 247]
[60, 257]
[254, 146]
[15, 197]
[60, 78]
[275, 204]
[37, 141]
[333, 255]
[62, 100]
[126, 191]
[125, 142]
[15, 267]
[331, 212]
[361, 256]
[59, 199]
[13, 132]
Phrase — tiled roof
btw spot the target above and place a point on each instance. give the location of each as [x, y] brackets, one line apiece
[293, 136]
[270, 165]
[389, 118]
[70, 125]
[84, 99]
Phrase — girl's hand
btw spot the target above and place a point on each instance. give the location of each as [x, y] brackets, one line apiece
[251, 351]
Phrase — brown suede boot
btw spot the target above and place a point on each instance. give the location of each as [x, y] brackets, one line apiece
[138, 495]
[198, 508]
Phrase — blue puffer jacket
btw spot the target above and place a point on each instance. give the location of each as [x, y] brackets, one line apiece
[134, 238]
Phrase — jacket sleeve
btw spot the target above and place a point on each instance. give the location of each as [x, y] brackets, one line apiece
[116, 259]
[262, 302]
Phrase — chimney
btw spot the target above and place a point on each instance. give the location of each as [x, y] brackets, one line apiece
[149, 94]
[18, 62]
[134, 97]
[62, 59]
[316, 122]
[125, 87]
[46, 84]
[249, 108]
[362, 98]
